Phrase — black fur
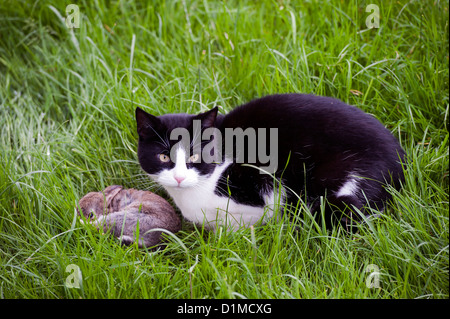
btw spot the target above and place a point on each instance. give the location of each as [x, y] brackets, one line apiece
[321, 140]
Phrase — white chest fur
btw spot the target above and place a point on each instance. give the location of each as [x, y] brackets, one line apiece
[201, 205]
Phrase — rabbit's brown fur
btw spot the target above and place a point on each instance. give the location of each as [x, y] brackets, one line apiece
[119, 211]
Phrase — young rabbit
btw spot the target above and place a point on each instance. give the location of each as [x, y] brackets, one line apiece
[119, 211]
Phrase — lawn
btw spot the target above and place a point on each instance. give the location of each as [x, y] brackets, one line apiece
[67, 127]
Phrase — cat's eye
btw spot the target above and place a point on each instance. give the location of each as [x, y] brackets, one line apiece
[193, 158]
[164, 158]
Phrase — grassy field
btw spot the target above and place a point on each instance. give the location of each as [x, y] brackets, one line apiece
[67, 127]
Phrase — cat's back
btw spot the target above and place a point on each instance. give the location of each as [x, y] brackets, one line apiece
[284, 109]
[309, 118]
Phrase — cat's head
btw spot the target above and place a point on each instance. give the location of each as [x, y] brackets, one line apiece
[171, 147]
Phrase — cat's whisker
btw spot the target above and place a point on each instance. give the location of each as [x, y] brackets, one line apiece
[197, 135]
[164, 141]
[333, 150]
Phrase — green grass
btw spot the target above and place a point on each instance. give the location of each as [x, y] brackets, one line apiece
[67, 100]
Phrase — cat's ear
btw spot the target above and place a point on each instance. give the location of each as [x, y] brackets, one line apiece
[147, 124]
[208, 118]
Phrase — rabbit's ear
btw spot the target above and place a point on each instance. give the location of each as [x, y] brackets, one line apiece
[110, 192]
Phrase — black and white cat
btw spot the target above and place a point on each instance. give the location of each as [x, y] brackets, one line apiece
[320, 147]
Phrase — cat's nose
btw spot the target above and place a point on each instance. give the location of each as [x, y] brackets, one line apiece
[179, 179]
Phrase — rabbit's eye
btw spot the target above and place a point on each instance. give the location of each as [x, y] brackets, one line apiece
[91, 215]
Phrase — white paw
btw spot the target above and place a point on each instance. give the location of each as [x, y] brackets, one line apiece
[126, 240]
